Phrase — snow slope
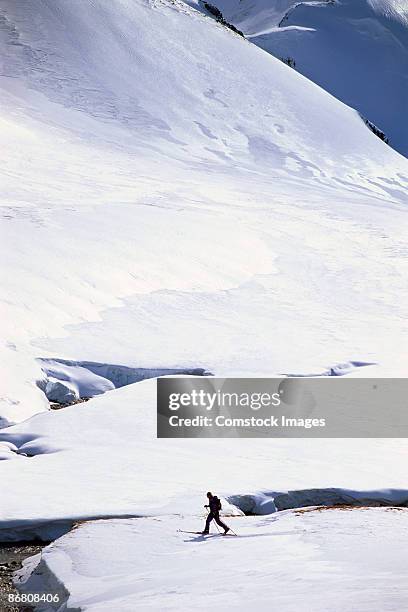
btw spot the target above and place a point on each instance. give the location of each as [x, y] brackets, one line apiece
[174, 197]
[165, 183]
[355, 49]
[320, 560]
[103, 459]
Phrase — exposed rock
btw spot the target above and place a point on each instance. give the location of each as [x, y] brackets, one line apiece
[61, 391]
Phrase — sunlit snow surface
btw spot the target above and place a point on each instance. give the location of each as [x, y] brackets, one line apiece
[320, 560]
[102, 459]
[173, 196]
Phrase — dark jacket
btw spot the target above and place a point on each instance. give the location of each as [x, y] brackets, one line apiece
[215, 504]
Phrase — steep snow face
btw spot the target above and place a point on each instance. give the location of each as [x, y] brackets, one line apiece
[251, 15]
[254, 16]
[173, 196]
[321, 560]
[355, 49]
[391, 8]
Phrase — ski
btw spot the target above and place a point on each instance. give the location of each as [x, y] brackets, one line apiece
[201, 533]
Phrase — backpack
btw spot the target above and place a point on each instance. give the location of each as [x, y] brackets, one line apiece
[218, 505]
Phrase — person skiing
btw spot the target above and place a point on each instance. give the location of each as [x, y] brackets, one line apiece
[214, 505]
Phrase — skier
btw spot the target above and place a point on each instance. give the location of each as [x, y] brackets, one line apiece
[214, 506]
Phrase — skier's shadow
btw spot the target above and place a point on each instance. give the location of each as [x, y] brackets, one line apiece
[202, 538]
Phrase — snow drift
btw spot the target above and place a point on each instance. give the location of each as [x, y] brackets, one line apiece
[267, 502]
[67, 381]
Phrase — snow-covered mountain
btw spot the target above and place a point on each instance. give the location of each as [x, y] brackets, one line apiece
[355, 49]
[167, 183]
[174, 197]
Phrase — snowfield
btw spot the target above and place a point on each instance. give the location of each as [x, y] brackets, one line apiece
[247, 222]
[102, 459]
[177, 200]
[319, 560]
